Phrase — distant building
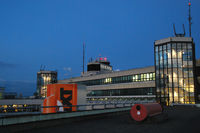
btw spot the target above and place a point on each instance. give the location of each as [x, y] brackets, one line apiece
[10, 95]
[2, 89]
[11, 105]
[44, 78]
[7, 95]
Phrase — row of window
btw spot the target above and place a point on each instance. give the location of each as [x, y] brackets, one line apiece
[185, 55]
[174, 46]
[122, 79]
[123, 92]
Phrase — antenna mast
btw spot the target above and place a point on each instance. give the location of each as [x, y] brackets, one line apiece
[190, 18]
[83, 56]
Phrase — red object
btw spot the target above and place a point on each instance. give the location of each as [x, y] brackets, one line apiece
[140, 112]
[189, 4]
[60, 95]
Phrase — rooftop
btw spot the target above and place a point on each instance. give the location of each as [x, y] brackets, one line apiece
[47, 72]
[174, 39]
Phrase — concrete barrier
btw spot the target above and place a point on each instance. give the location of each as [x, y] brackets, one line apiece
[120, 105]
[109, 106]
[84, 108]
[4, 121]
[198, 105]
[127, 105]
[99, 106]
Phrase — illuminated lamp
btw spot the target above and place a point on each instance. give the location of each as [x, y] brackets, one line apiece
[105, 59]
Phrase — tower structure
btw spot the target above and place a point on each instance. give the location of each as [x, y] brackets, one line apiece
[44, 78]
[175, 70]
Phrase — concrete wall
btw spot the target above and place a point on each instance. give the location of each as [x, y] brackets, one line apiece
[44, 117]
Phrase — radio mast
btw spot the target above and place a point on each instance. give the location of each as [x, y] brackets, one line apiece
[190, 19]
[83, 56]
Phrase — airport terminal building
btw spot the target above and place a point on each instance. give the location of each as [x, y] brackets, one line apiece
[117, 86]
[173, 79]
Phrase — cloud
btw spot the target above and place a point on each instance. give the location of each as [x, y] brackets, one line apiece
[2, 80]
[69, 69]
[6, 65]
[22, 81]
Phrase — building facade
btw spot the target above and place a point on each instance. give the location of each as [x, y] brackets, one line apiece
[134, 85]
[44, 78]
[175, 70]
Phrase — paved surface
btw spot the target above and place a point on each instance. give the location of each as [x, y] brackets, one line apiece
[179, 121]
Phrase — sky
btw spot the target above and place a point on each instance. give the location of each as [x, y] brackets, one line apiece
[52, 32]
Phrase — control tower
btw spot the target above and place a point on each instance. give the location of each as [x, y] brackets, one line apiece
[98, 66]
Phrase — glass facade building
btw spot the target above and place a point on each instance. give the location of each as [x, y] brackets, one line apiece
[44, 78]
[175, 68]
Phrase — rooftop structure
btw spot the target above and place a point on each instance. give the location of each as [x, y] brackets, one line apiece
[98, 66]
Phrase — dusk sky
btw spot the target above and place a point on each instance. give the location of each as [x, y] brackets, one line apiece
[52, 32]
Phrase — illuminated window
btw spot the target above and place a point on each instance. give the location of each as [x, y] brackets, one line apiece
[173, 53]
[134, 78]
[142, 77]
[108, 80]
[145, 77]
[148, 76]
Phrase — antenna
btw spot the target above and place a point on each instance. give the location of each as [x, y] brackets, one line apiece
[174, 30]
[179, 34]
[190, 19]
[183, 30]
[83, 56]
[44, 67]
[90, 60]
[41, 67]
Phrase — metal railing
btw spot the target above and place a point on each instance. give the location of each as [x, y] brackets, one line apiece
[86, 107]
